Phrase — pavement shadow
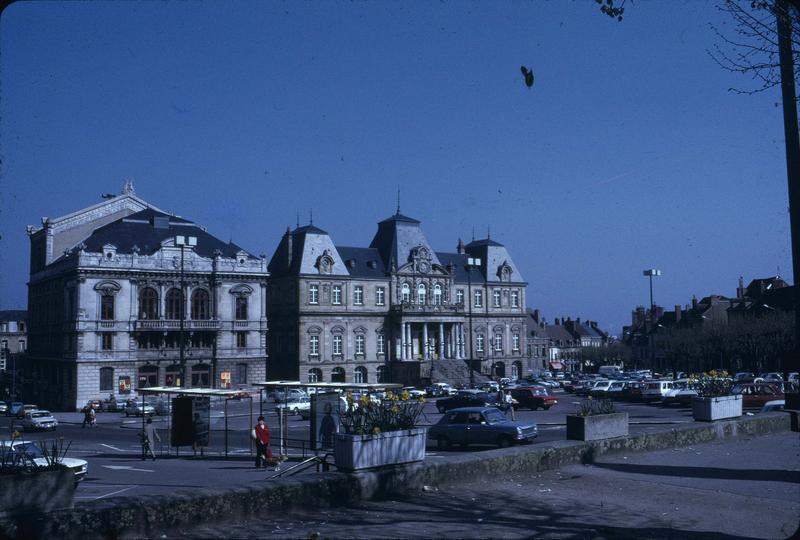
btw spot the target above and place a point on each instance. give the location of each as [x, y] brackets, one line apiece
[719, 473]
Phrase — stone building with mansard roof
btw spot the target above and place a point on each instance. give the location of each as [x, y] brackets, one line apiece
[104, 305]
[393, 311]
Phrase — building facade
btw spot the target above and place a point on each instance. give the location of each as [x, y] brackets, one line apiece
[118, 289]
[13, 344]
[394, 311]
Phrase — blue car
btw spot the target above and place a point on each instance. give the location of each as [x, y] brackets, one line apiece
[14, 407]
[480, 425]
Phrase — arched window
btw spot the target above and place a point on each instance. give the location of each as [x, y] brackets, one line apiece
[337, 375]
[499, 369]
[360, 376]
[200, 305]
[172, 375]
[241, 308]
[422, 294]
[380, 374]
[107, 307]
[148, 376]
[516, 370]
[201, 376]
[405, 293]
[437, 295]
[174, 304]
[148, 303]
[314, 375]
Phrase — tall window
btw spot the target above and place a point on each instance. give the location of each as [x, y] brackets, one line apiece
[515, 342]
[498, 342]
[106, 379]
[314, 375]
[380, 344]
[380, 374]
[360, 344]
[380, 296]
[459, 296]
[337, 344]
[174, 304]
[405, 293]
[241, 374]
[107, 307]
[241, 340]
[313, 345]
[514, 298]
[241, 308]
[201, 309]
[148, 303]
[148, 376]
[478, 298]
[201, 376]
[337, 375]
[437, 295]
[422, 294]
[360, 375]
[358, 295]
[313, 294]
[108, 341]
[479, 343]
[496, 297]
[336, 295]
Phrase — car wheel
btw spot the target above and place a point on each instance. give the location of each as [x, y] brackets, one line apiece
[504, 441]
[442, 443]
[546, 407]
[295, 411]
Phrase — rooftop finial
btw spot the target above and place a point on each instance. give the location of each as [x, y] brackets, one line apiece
[398, 200]
[473, 233]
[488, 232]
[310, 216]
[127, 188]
[298, 219]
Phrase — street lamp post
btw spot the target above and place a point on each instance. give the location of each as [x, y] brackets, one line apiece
[471, 262]
[650, 274]
[183, 241]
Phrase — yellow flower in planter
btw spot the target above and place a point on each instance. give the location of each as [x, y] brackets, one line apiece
[405, 395]
[376, 430]
[422, 399]
[364, 401]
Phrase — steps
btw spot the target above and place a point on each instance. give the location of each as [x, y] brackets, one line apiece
[454, 372]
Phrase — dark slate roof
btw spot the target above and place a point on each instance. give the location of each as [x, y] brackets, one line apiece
[395, 239]
[558, 332]
[13, 315]
[581, 330]
[484, 242]
[138, 230]
[759, 286]
[459, 262]
[362, 262]
[779, 298]
[309, 229]
[399, 217]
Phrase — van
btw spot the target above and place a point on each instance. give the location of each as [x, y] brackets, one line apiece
[656, 390]
[609, 371]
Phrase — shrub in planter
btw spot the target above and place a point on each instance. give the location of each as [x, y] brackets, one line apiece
[596, 419]
[715, 400]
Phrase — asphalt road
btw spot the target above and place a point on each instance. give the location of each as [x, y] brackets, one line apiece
[744, 489]
[115, 466]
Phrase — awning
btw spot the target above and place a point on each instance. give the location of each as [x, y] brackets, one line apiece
[556, 365]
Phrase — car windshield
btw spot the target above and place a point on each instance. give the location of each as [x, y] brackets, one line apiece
[493, 415]
[40, 414]
[30, 450]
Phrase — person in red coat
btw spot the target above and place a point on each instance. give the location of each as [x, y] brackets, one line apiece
[260, 434]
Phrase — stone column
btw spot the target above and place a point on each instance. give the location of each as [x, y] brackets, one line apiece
[402, 352]
[409, 345]
[441, 340]
[426, 353]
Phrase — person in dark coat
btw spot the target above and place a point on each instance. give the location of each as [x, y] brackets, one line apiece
[149, 438]
[260, 435]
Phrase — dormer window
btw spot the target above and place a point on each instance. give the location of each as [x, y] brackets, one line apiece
[325, 263]
[109, 252]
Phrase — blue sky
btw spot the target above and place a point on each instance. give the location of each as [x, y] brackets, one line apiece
[629, 152]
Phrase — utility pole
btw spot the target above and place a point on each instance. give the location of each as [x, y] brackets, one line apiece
[183, 241]
[471, 262]
[650, 273]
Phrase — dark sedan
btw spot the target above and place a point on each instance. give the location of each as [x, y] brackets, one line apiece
[480, 425]
[466, 398]
[533, 398]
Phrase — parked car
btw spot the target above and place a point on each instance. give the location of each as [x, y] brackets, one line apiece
[135, 408]
[600, 389]
[25, 454]
[744, 376]
[533, 398]
[413, 392]
[281, 394]
[13, 408]
[39, 420]
[587, 387]
[615, 389]
[440, 389]
[682, 394]
[480, 425]
[772, 377]
[466, 398]
[25, 408]
[295, 405]
[3, 407]
[755, 395]
[632, 391]
[774, 405]
[656, 390]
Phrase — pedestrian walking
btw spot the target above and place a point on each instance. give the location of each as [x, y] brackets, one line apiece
[509, 401]
[92, 416]
[260, 435]
[87, 418]
[199, 435]
[149, 438]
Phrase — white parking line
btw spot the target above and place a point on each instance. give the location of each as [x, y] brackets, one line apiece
[112, 447]
[108, 494]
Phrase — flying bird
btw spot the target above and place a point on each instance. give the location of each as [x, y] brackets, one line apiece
[528, 74]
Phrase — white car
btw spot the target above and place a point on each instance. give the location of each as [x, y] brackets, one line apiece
[656, 390]
[774, 405]
[39, 420]
[26, 454]
[295, 405]
[281, 395]
[413, 392]
[134, 408]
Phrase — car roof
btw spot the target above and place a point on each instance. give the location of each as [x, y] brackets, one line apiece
[473, 409]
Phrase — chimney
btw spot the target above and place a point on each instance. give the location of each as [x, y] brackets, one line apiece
[558, 321]
[536, 315]
[578, 320]
[677, 313]
[460, 247]
[694, 302]
[288, 237]
[740, 288]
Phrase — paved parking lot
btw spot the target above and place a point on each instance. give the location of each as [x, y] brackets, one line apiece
[115, 468]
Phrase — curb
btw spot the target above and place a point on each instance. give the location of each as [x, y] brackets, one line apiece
[146, 516]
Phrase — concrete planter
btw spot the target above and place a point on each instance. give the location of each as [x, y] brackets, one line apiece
[36, 491]
[596, 427]
[707, 409]
[356, 452]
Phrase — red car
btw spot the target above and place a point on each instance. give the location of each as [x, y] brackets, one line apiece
[755, 395]
[533, 398]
